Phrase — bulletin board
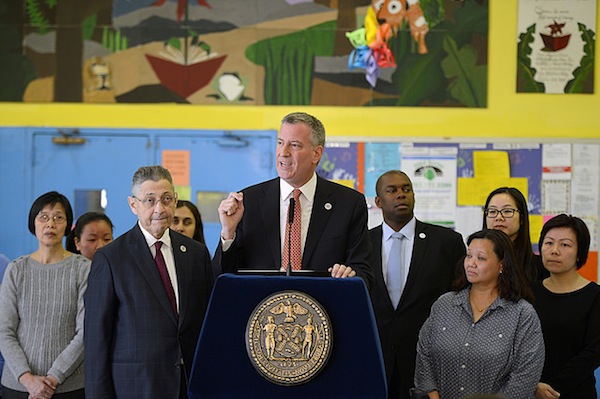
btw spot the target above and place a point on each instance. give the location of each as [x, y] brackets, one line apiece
[453, 179]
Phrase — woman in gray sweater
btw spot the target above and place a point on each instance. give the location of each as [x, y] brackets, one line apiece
[41, 310]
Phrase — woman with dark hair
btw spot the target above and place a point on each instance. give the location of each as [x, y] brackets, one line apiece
[569, 309]
[506, 210]
[41, 310]
[92, 231]
[187, 221]
[483, 337]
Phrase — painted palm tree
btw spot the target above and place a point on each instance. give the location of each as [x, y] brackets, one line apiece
[68, 16]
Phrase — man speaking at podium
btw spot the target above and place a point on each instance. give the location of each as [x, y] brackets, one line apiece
[298, 219]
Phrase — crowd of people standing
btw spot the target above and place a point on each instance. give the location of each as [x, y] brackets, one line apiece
[454, 320]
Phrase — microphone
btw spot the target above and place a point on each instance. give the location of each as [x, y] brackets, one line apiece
[292, 205]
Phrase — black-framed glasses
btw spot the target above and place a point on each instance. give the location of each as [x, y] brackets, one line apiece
[506, 212]
[45, 218]
[150, 201]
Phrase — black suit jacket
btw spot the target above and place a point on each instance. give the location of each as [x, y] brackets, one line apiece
[133, 342]
[337, 232]
[436, 253]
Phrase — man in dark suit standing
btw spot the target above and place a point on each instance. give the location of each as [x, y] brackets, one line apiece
[146, 298]
[402, 296]
[332, 219]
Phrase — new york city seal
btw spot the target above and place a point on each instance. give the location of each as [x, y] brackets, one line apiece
[289, 338]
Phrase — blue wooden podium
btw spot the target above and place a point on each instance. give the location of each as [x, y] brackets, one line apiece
[222, 368]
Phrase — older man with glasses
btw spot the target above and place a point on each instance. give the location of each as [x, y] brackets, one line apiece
[147, 296]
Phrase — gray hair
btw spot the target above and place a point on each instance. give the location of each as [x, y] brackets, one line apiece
[154, 173]
[317, 130]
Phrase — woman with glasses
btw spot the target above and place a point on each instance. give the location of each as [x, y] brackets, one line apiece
[569, 308]
[506, 210]
[41, 310]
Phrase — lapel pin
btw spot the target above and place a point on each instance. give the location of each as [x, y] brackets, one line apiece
[183, 248]
[422, 235]
[328, 206]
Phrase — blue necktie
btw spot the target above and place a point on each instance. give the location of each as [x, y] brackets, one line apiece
[395, 269]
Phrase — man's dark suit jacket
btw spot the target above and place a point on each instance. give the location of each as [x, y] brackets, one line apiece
[337, 232]
[133, 343]
[436, 253]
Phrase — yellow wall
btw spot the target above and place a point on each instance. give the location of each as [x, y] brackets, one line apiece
[548, 116]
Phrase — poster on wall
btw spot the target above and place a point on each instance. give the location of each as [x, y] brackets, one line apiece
[379, 158]
[556, 41]
[514, 165]
[341, 163]
[248, 52]
[585, 192]
[432, 171]
[451, 181]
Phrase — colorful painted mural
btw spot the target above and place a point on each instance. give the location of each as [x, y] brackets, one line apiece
[249, 52]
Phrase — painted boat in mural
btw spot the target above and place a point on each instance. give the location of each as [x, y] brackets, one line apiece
[556, 40]
[555, 43]
[185, 80]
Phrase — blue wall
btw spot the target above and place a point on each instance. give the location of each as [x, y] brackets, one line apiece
[31, 164]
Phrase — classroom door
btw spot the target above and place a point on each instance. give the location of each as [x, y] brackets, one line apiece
[97, 169]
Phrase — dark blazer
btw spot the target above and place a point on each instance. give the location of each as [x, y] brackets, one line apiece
[133, 343]
[337, 232]
[436, 253]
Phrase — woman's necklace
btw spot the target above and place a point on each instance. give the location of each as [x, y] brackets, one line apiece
[475, 305]
[480, 309]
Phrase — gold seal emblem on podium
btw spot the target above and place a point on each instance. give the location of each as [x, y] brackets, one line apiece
[288, 338]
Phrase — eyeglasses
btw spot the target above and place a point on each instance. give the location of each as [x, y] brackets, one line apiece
[150, 202]
[44, 218]
[506, 212]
